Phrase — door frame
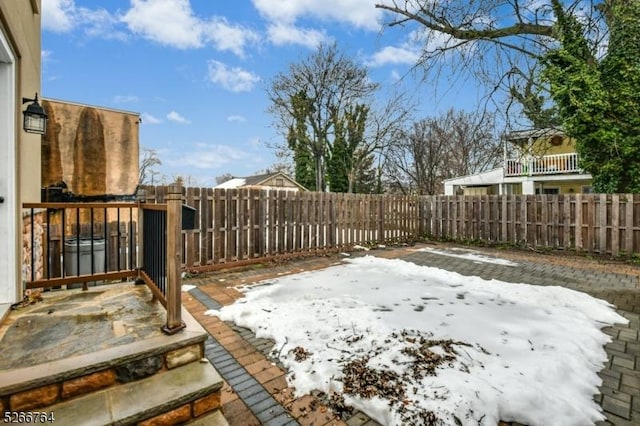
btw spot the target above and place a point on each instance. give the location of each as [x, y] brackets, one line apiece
[9, 280]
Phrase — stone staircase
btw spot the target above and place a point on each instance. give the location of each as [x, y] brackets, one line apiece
[162, 380]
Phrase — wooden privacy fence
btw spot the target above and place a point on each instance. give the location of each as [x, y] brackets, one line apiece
[241, 224]
[248, 223]
[596, 223]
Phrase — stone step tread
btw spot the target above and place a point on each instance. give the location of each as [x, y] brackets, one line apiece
[214, 419]
[132, 402]
[20, 379]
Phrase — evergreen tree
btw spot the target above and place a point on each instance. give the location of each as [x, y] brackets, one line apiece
[299, 144]
[599, 101]
[366, 180]
[346, 158]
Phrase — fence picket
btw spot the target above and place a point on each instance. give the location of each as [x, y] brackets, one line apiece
[615, 225]
[629, 237]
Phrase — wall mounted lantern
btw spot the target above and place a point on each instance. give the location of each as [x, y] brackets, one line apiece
[35, 119]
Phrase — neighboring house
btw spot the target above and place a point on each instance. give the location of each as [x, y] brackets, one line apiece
[544, 161]
[277, 180]
[20, 63]
[90, 151]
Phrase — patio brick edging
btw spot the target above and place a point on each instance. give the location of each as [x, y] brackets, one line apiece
[253, 394]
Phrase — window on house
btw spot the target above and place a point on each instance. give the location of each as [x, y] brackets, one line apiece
[550, 190]
[279, 182]
[587, 190]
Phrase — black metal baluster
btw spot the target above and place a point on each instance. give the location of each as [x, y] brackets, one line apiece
[118, 238]
[33, 255]
[93, 261]
[62, 232]
[78, 240]
[105, 230]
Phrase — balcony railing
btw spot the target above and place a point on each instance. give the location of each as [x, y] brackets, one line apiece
[544, 165]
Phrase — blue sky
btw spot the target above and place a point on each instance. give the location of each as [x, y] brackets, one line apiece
[197, 70]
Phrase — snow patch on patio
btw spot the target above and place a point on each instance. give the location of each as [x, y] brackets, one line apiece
[405, 343]
[472, 255]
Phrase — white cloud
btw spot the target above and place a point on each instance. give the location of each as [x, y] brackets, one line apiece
[63, 16]
[280, 34]
[100, 23]
[416, 43]
[395, 55]
[229, 37]
[177, 118]
[45, 55]
[170, 22]
[174, 23]
[58, 15]
[209, 157]
[359, 13]
[236, 118]
[255, 142]
[149, 119]
[232, 79]
[125, 99]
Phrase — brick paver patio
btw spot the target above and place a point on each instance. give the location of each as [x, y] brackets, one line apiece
[256, 390]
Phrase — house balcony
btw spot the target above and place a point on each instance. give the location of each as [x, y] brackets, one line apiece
[544, 165]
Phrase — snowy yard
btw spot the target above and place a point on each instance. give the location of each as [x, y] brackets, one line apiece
[410, 344]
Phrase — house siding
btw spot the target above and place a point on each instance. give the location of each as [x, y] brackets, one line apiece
[286, 183]
[566, 187]
[543, 146]
[20, 28]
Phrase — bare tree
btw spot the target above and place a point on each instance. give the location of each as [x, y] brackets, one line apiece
[147, 175]
[188, 181]
[431, 150]
[387, 121]
[499, 43]
[279, 166]
[306, 100]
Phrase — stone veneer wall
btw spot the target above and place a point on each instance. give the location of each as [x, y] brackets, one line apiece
[38, 245]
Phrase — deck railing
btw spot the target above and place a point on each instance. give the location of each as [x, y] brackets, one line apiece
[162, 254]
[544, 165]
[71, 244]
[80, 244]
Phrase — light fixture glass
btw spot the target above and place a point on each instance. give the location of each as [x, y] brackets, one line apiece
[35, 119]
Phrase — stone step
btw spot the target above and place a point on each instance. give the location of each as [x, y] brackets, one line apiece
[114, 358]
[134, 402]
[214, 419]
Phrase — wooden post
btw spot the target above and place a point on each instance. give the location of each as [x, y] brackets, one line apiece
[174, 259]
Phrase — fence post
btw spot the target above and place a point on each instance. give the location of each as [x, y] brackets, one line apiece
[174, 259]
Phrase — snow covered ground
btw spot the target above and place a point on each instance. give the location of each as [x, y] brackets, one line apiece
[468, 254]
[409, 344]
